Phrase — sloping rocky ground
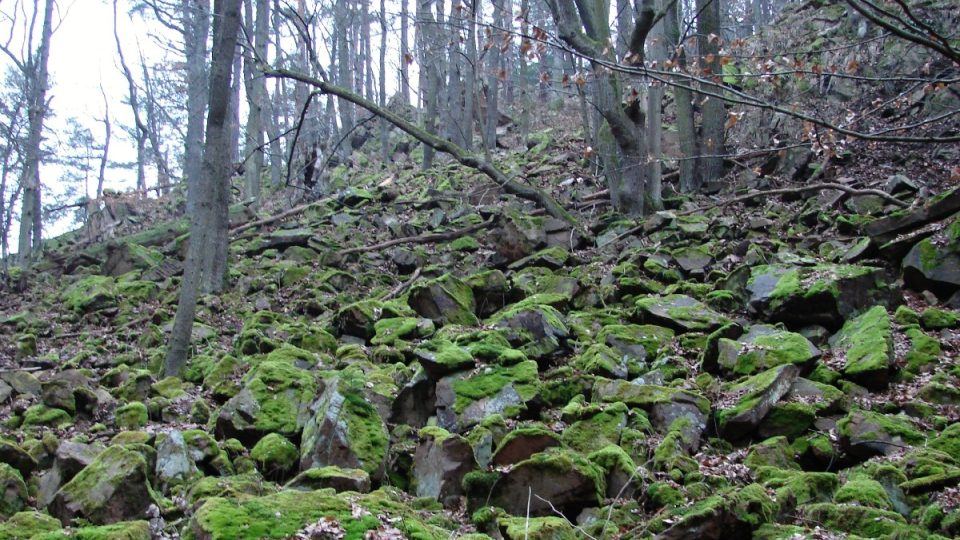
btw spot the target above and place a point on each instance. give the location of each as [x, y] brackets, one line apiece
[421, 356]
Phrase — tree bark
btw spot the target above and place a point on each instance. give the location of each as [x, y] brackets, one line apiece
[713, 112]
[205, 267]
[683, 100]
[36, 79]
[133, 95]
[196, 27]
[256, 87]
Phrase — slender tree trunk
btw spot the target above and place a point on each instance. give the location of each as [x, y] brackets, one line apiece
[493, 79]
[104, 157]
[256, 96]
[429, 73]
[196, 27]
[153, 132]
[205, 267]
[405, 56]
[658, 53]
[690, 180]
[384, 125]
[524, 83]
[140, 128]
[713, 111]
[36, 79]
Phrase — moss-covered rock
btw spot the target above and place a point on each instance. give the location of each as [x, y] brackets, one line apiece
[465, 399]
[855, 519]
[445, 300]
[864, 491]
[26, 525]
[127, 530]
[131, 416]
[680, 313]
[596, 429]
[564, 478]
[276, 397]
[333, 477]
[754, 398]
[866, 433]
[937, 319]
[114, 487]
[282, 514]
[764, 347]
[275, 455]
[865, 346]
[538, 330]
[92, 293]
[41, 415]
[538, 528]
[346, 430]
[13, 491]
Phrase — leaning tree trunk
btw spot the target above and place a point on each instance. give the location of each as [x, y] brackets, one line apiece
[205, 267]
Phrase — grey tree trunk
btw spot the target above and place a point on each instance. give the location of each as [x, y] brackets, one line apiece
[105, 155]
[429, 73]
[139, 126]
[713, 111]
[196, 28]
[384, 126]
[493, 80]
[36, 79]
[690, 180]
[153, 132]
[205, 267]
[405, 56]
[256, 87]
[658, 53]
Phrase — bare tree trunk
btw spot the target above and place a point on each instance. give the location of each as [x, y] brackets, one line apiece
[384, 125]
[36, 79]
[205, 267]
[196, 27]
[140, 128]
[493, 80]
[233, 129]
[683, 99]
[405, 56]
[256, 87]
[104, 157]
[713, 111]
[153, 132]
[429, 73]
[658, 53]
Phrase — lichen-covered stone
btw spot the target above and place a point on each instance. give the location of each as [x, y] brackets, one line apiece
[679, 312]
[131, 416]
[92, 293]
[865, 346]
[13, 491]
[464, 399]
[538, 330]
[114, 487]
[865, 434]
[345, 430]
[281, 515]
[754, 397]
[445, 300]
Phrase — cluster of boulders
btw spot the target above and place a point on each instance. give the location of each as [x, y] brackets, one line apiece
[723, 383]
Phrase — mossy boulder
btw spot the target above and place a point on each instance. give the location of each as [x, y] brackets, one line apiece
[934, 263]
[642, 342]
[331, 476]
[131, 416]
[538, 528]
[345, 430]
[275, 397]
[441, 461]
[42, 415]
[275, 455]
[752, 399]
[564, 478]
[92, 293]
[282, 515]
[824, 294]
[855, 519]
[114, 487]
[865, 434]
[679, 312]
[440, 357]
[126, 530]
[27, 524]
[864, 491]
[938, 319]
[537, 330]
[794, 488]
[464, 399]
[596, 429]
[13, 491]
[733, 514]
[445, 300]
[864, 347]
[764, 347]
[603, 360]
[795, 413]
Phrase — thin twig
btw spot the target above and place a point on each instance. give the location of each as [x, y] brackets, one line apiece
[422, 239]
[401, 287]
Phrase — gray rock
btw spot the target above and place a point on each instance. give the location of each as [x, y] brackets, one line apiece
[439, 466]
[174, 463]
[114, 487]
[346, 431]
[445, 300]
[70, 458]
[679, 312]
[331, 477]
[753, 400]
[551, 481]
